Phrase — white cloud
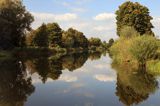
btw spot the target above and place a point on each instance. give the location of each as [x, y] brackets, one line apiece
[104, 16]
[56, 17]
[49, 17]
[156, 24]
[104, 78]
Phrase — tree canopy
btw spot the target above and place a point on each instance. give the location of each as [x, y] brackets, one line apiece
[15, 21]
[135, 15]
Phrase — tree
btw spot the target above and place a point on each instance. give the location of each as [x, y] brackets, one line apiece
[81, 40]
[73, 38]
[68, 38]
[41, 36]
[15, 22]
[30, 38]
[94, 41]
[134, 15]
[54, 34]
[110, 43]
[144, 48]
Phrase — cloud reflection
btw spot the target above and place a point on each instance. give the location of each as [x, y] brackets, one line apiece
[68, 78]
[104, 78]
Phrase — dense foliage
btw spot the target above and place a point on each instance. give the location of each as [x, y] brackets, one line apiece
[15, 21]
[73, 38]
[144, 48]
[135, 15]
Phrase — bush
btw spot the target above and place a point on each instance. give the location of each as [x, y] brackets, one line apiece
[128, 32]
[144, 48]
[120, 51]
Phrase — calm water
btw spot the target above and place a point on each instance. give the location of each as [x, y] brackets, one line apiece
[74, 80]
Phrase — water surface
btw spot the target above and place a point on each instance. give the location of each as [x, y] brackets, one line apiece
[74, 80]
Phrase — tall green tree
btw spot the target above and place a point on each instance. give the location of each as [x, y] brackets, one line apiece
[134, 15]
[15, 21]
[95, 41]
[73, 38]
[54, 34]
[68, 38]
[41, 36]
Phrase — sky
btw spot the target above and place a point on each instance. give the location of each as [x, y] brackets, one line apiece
[95, 18]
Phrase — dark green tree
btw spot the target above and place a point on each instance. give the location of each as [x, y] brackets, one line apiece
[54, 34]
[15, 21]
[73, 38]
[41, 36]
[134, 15]
[95, 42]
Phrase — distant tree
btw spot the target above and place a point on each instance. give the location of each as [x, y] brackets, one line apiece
[15, 21]
[54, 34]
[30, 38]
[74, 38]
[110, 43]
[81, 40]
[41, 37]
[68, 38]
[94, 41]
[134, 15]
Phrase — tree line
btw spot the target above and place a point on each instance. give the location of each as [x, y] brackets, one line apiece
[16, 31]
[137, 43]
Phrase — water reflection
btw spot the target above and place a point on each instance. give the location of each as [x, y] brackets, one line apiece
[132, 85]
[52, 67]
[15, 87]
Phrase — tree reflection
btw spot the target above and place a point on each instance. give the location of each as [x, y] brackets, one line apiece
[95, 55]
[52, 67]
[74, 61]
[15, 87]
[134, 86]
[45, 68]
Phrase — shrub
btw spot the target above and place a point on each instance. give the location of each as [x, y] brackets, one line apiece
[144, 48]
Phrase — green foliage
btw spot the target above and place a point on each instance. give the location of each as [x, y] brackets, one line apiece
[73, 38]
[110, 43]
[134, 15]
[41, 36]
[94, 42]
[120, 51]
[144, 48]
[128, 32]
[68, 38]
[15, 21]
[54, 34]
[30, 38]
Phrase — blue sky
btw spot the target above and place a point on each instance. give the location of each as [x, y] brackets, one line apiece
[93, 17]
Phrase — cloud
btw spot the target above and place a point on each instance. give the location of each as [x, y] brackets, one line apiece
[156, 24]
[57, 17]
[104, 78]
[49, 17]
[104, 16]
